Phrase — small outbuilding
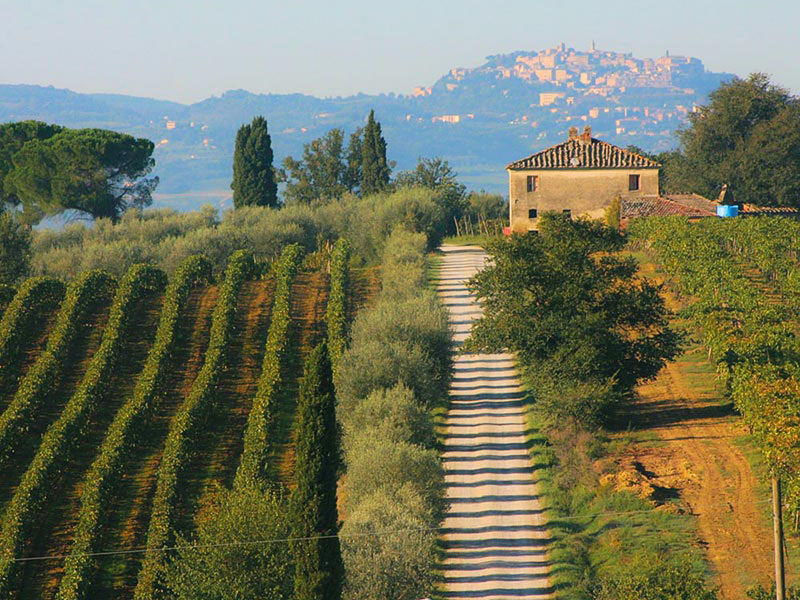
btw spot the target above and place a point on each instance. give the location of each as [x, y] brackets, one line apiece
[581, 176]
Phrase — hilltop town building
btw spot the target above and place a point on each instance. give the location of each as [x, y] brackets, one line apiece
[580, 176]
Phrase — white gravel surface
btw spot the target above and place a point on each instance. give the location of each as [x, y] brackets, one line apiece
[493, 534]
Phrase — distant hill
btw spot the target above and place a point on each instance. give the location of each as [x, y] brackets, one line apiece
[478, 118]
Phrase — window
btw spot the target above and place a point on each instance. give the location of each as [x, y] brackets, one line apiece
[567, 213]
[633, 183]
[533, 183]
[531, 213]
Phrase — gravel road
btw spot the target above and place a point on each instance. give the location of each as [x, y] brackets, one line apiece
[493, 534]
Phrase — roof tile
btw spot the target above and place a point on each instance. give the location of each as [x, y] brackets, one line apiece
[578, 154]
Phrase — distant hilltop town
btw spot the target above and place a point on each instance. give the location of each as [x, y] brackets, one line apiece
[599, 72]
[616, 92]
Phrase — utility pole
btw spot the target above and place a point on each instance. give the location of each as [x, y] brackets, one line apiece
[777, 527]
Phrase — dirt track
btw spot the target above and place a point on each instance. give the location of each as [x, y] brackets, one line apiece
[495, 544]
[711, 475]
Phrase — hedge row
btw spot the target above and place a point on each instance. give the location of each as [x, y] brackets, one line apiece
[37, 294]
[185, 426]
[336, 315]
[72, 425]
[83, 296]
[130, 422]
[256, 444]
[395, 370]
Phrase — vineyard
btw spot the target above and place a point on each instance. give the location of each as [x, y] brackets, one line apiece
[741, 278]
[125, 405]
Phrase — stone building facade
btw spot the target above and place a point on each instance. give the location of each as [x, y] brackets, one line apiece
[579, 177]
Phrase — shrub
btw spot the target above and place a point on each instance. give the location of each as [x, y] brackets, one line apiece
[83, 297]
[221, 562]
[132, 418]
[256, 436]
[417, 321]
[336, 314]
[391, 567]
[654, 582]
[185, 425]
[73, 424]
[374, 365]
[393, 415]
[373, 463]
[415, 210]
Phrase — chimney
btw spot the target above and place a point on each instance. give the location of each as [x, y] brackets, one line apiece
[573, 133]
[586, 136]
[726, 195]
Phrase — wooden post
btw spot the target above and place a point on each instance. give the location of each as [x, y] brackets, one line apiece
[777, 527]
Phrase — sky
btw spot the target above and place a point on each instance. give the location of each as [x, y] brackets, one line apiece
[188, 50]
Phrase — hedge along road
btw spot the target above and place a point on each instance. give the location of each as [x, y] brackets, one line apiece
[493, 534]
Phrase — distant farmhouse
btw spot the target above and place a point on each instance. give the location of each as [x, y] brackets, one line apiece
[583, 176]
[579, 177]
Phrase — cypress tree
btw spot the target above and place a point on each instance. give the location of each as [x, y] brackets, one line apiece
[253, 178]
[318, 562]
[374, 167]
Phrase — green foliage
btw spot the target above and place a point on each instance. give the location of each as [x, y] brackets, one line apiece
[566, 304]
[166, 238]
[93, 171]
[648, 581]
[336, 312]
[62, 437]
[129, 423]
[373, 365]
[83, 297]
[322, 175]
[614, 213]
[393, 415]
[375, 169]
[762, 593]
[747, 136]
[437, 174]
[7, 294]
[400, 566]
[15, 248]
[319, 571]
[223, 563]
[253, 176]
[23, 316]
[385, 383]
[378, 463]
[754, 343]
[486, 206]
[185, 426]
[252, 463]
[12, 137]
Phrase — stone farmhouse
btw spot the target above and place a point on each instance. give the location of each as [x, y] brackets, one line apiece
[579, 177]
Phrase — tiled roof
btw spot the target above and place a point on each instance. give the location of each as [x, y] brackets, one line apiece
[695, 201]
[753, 209]
[659, 206]
[576, 153]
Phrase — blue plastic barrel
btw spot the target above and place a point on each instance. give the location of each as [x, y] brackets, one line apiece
[727, 210]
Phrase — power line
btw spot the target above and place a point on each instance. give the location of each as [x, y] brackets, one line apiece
[319, 537]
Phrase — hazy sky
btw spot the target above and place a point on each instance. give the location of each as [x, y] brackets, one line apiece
[188, 50]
